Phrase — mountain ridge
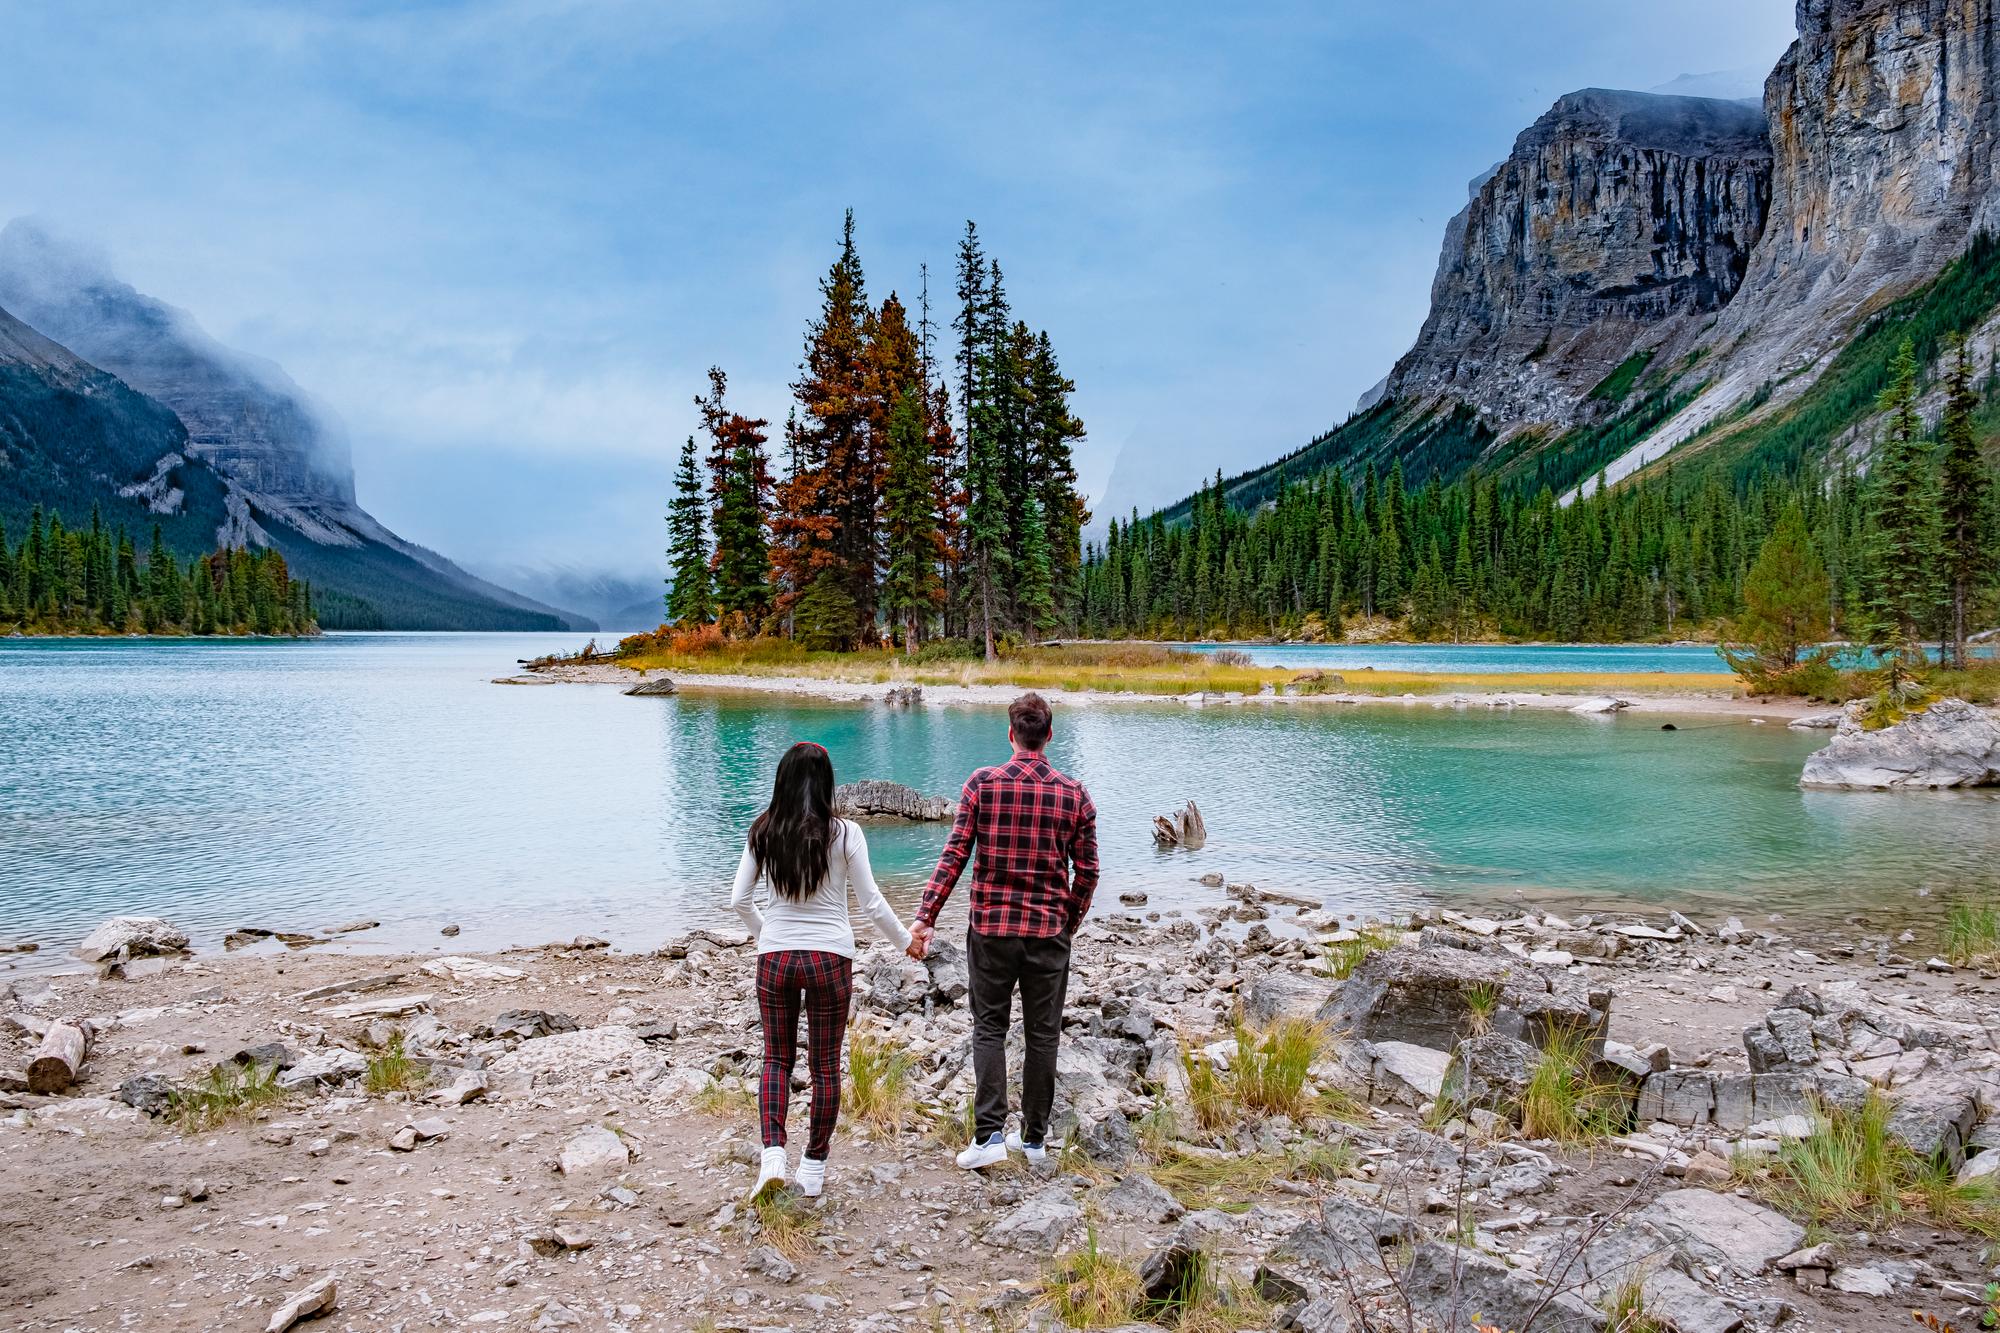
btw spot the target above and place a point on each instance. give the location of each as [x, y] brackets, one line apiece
[269, 463]
[1751, 269]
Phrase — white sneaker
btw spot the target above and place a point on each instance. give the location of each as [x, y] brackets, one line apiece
[1034, 1153]
[811, 1177]
[770, 1173]
[990, 1153]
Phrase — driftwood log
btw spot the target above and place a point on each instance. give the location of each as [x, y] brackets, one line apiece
[60, 1058]
[1183, 829]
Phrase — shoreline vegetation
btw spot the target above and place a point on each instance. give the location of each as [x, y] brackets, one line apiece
[894, 517]
[1118, 671]
[92, 583]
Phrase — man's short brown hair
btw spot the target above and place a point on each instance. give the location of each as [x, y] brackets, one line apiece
[1029, 718]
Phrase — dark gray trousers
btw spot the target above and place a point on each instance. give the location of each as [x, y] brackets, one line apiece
[996, 965]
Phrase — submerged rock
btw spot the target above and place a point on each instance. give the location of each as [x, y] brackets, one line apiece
[125, 937]
[874, 799]
[653, 688]
[1949, 744]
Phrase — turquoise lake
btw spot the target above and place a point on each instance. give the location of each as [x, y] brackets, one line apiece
[301, 785]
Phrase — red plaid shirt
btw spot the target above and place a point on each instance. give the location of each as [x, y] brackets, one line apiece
[1036, 832]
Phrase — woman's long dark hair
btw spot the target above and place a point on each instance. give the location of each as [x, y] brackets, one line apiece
[793, 839]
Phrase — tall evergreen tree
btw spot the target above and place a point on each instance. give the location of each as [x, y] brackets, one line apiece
[913, 590]
[1966, 483]
[739, 493]
[690, 600]
[1906, 587]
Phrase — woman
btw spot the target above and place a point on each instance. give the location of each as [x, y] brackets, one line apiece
[805, 948]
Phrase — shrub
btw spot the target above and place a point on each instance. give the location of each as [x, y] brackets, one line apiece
[786, 1222]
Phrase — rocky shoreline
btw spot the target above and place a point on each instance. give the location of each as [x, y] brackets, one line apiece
[561, 1137]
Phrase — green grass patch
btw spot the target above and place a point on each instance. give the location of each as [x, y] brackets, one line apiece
[392, 1070]
[1092, 1288]
[722, 1098]
[1343, 956]
[1614, 387]
[878, 1082]
[1851, 1172]
[1214, 1179]
[1564, 1101]
[227, 1092]
[1972, 932]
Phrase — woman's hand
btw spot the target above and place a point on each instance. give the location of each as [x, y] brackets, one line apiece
[920, 940]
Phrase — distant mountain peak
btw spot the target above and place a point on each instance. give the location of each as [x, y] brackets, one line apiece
[245, 416]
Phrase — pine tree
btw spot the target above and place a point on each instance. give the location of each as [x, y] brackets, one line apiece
[1035, 587]
[913, 590]
[1908, 545]
[1967, 499]
[739, 491]
[689, 600]
[1784, 596]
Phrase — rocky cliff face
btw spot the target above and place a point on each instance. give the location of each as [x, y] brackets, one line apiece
[1885, 121]
[1619, 223]
[244, 416]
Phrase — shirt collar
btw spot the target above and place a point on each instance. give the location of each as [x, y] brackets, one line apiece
[1030, 757]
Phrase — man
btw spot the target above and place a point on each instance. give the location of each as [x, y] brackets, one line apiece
[1035, 832]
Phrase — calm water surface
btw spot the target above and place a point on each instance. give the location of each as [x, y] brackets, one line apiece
[300, 785]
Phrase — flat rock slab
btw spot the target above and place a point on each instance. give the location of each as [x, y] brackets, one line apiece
[317, 1299]
[1462, 1290]
[580, 1054]
[1723, 1231]
[393, 1006]
[1038, 1223]
[471, 969]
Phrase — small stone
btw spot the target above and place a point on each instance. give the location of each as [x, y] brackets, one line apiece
[430, 1129]
[404, 1140]
[1706, 1168]
[594, 1152]
[317, 1299]
[766, 1260]
[450, 930]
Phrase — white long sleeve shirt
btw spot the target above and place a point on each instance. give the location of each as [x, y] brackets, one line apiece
[819, 921]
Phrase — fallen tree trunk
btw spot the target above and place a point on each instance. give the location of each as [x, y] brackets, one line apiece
[61, 1056]
[1183, 829]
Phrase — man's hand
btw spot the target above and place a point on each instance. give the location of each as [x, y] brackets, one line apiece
[920, 940]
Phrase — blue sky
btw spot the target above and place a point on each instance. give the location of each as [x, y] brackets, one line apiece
[505, 240]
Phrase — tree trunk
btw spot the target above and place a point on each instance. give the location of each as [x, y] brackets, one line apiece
[61, 1055]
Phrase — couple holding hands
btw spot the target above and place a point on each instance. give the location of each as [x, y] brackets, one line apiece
[1030, 833]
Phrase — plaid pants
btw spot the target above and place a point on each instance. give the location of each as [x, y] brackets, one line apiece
[824, 984]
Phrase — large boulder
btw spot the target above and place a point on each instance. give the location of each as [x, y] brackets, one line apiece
[1949, 744]
[888, 800]
[1490, 1071]
[125, 937]
[1436, 995]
